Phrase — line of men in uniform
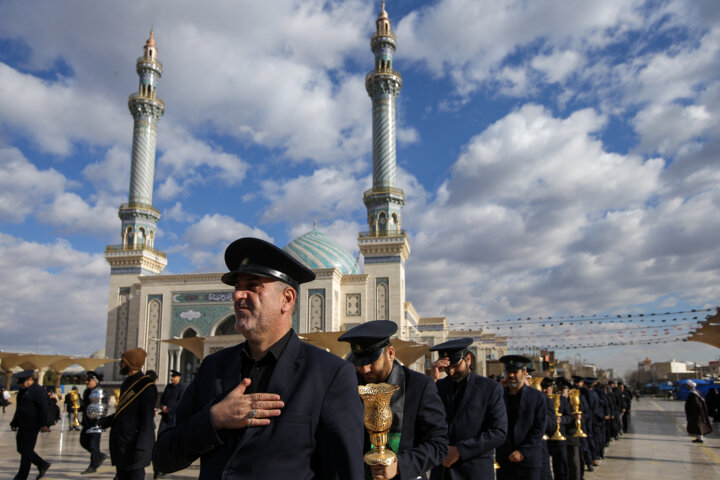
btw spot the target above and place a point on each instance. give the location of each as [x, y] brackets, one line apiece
[276, 408]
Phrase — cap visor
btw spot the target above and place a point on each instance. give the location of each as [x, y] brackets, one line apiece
[362, 360]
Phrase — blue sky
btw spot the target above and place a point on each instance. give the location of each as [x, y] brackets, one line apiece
[559, 158]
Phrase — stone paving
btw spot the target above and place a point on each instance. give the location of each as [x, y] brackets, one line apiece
[656, 448]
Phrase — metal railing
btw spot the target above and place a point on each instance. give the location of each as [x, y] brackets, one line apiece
[386, 233]
[383, 191]
[134, 248]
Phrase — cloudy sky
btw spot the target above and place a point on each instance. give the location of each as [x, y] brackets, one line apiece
[559, 158]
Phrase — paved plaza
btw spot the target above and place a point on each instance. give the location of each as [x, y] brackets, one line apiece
[657, 448]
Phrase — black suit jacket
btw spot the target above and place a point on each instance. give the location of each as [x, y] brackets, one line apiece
[477, 427]
[423, 440]
[31, 412]
[170, 398]
[319, 434]
[528, 431]
[132, 429]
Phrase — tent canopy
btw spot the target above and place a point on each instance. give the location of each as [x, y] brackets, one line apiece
[195, 344]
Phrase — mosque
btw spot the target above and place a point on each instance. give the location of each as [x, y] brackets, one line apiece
[178, 319]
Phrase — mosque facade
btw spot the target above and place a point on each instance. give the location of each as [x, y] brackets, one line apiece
[146, 307]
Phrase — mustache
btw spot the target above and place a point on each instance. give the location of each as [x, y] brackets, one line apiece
[242, 304]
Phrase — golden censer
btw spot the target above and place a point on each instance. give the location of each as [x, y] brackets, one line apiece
[575, 402]
[377, 418]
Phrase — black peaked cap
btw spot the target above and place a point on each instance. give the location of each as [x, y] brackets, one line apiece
[367, 340]
[515, 362]
[454, 350]
[258, 257]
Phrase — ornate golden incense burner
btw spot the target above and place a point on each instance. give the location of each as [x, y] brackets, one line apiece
[575, 402]
[557, 436]
[377, 418]
[75, 407]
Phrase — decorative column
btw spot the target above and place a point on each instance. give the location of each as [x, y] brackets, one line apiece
[385, 246]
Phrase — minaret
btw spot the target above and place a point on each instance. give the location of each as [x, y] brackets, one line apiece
[135, 257]
[385, 246]
[136, 254]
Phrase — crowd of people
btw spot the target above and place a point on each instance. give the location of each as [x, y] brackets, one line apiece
[277, 408]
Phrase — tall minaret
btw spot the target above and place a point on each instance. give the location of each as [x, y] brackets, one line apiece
[135, 257]
[136, 254]
[385, 246]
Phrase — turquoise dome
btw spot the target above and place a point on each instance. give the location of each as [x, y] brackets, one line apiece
[317, 250]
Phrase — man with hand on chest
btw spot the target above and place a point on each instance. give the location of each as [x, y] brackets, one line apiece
[272, 407]
[418, 434]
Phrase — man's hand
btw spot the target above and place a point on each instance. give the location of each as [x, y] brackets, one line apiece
[45, 429]
[438, 367]
[516, 456]
[384, 472]
[238, 410]
[164, 409]
[453, 456]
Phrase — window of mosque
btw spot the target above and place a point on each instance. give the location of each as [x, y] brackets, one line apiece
[316, 314]
[352, 305]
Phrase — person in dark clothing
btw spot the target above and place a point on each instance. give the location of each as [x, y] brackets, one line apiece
[418, 434]
[698, 422]
[53, 409]
[475, 413]
[132, 431]
[272, 407]
[712, 400]
[90, 441]
[168, 403]
[520, 457]
[626, 400]
[170, 398]
[31, 418]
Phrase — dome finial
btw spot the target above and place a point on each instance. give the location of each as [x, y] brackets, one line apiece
[151, 41]
[314, 223]
[383, 13]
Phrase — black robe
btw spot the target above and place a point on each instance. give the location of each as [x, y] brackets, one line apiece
[696, 413]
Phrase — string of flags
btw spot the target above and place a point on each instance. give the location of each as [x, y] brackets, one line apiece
[593, 331]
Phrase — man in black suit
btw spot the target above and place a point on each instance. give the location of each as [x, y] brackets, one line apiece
[475, 413]
[90, 441]
[520, 457]
[273, 407]
[418, 433]
[132, 431]
[170, 398]
[31, 418]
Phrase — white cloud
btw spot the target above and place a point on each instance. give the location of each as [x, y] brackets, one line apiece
[59, 292]
[112, 173]
[528, 210]
[325, 195]
[205, 241]
[178, 214]
[666, 128]
[23, 187]
[73, 214]
[48, 112]
[467, 40]
[558, 65]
